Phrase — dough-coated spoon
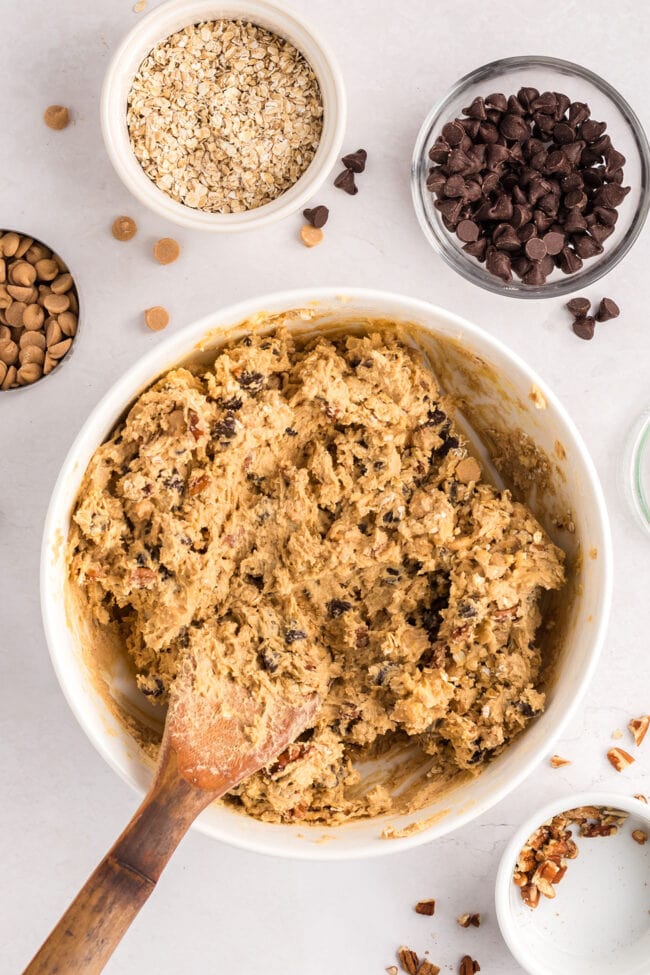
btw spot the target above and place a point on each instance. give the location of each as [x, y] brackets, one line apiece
[207, 749]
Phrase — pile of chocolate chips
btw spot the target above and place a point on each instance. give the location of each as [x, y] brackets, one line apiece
[528, 183]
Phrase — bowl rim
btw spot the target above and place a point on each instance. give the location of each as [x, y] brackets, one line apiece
[503, 882]
[468, 268]
[171, 350]
[135, 179]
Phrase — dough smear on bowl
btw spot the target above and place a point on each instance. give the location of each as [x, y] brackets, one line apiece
[306, 512]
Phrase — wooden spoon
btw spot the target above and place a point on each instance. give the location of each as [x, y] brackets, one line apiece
[212, 741]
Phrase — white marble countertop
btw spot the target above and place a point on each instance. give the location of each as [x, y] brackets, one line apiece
[219, 909]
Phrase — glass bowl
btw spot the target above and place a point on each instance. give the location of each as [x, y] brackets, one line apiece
[580, 84]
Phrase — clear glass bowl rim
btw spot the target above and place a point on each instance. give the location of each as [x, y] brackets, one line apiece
[470, 269]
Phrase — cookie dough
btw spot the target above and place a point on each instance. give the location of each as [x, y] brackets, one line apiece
[307, 514]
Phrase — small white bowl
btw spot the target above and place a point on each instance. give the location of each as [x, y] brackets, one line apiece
[599, 921]
[174, 15]
[495, 381]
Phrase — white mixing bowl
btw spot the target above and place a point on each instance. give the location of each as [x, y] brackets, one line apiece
[494, 387]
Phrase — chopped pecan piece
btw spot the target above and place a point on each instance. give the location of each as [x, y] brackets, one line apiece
[639, 836]
[409, 961]
[640, 797]
[465, 920]
[198, 482]
[468, 966]
[194, 425]
[428, 968]
[530, 895]
[426, 907]
[557, 761]
[141, 578]
[619, 758]
[639, 728]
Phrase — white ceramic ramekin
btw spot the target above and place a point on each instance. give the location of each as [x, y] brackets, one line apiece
[162, 22]
[470, 361]
[598, 922]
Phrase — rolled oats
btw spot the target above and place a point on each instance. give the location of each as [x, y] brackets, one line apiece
[224, 116]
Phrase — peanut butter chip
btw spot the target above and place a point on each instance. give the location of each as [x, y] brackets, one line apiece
[124, 228]
[166, 251]
[468, 470]
[156, 318]
[56, 117]
[311, 236]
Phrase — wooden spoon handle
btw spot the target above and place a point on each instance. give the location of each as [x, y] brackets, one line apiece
[94, 924]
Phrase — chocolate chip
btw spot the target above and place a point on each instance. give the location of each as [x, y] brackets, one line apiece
[554, 242]
[317, 217]
[585, 246]
[535, 249]
[578, 113]
[584, 328]
[569, 261]
[497, 101]
[476, 110]
[590, 130]
[467, 231]
[513, 127]
[293, 635]
[477, 249]
[499, 264]
[345, 181]
[563, 133]
[607, 310]
[579, 307]
[252, 381]
[453, 133]
[355, 161]
[337, 607]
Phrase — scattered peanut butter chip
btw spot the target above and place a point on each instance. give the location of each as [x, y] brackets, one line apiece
[56, 117]
[537, 397]
[311, 236]
[124, 228]
[617, 734]
[166, 250]
[468, 470]
[557, 761]
[426, 907]
[391, 970]
[593, 553]
[639, 836]
[139, 6]
[156, 318]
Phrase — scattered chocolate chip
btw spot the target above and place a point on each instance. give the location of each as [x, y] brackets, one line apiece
[579, 307]
[317, 216]
[345, 181]
[355, 161]
[584, 327]
[607, 310]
